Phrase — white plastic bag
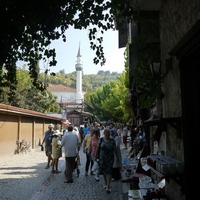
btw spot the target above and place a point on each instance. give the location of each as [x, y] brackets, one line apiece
[95, 166]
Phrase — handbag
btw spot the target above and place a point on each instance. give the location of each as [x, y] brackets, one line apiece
[95, 166]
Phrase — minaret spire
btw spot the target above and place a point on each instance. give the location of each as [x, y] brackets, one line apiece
[79, 60]
[79, 51]
[79, 68]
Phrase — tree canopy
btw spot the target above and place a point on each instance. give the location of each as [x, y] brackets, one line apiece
[29, 97]
[28, 27]
[111, 102]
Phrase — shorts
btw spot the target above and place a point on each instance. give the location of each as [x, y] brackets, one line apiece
[48, 150]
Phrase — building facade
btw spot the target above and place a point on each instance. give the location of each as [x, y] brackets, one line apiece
[177, 110]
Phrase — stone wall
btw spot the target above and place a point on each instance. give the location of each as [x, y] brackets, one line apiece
[176, 19]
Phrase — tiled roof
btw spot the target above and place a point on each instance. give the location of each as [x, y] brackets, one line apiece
[61, 88]
[25, 112]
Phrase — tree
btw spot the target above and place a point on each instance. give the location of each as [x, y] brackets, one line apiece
[112, 100]
[29, 97]
[100, 72]
[62, 71]
[96, 99]
[116, 103]
[29, 27]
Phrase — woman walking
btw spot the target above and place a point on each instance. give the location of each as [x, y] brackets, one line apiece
[106, 148]
[93, 150]
[86, 144]
[56, 151]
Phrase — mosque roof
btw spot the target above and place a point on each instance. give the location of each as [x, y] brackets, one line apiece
[61, 88]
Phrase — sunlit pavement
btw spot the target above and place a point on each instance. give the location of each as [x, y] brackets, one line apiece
[24, 177]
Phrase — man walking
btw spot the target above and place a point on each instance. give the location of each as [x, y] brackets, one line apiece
[71, 143]
[48, 144]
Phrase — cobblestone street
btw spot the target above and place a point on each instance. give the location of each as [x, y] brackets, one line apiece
[24, 177]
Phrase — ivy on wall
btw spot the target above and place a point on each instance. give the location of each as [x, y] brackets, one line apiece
[146, 48]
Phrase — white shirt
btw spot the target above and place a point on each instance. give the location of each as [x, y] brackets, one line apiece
[125, 131]
[70, 141]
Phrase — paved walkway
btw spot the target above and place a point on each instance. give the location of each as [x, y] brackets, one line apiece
[24, 177]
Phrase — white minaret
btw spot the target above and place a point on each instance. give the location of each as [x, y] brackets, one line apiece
[79, 68]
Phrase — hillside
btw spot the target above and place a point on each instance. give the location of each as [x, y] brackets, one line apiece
[90, 82]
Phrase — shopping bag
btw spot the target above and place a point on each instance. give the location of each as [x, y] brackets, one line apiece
[95, 166]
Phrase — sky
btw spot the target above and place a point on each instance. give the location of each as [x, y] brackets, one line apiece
[66, 53]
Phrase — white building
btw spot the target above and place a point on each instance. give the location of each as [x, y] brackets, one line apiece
[72, 100]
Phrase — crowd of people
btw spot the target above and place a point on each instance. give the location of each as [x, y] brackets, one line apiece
[100, 143]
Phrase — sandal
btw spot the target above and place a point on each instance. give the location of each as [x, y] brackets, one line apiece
[108, 191]
[53, 171]
[57, 171]
[47, 167]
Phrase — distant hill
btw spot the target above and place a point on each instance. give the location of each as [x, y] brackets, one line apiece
[90, 82]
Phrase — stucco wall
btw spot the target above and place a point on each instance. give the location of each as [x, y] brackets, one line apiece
[39, 133]
[8, 136]
[28, 128]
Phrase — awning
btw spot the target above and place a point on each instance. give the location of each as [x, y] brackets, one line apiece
[66, 123]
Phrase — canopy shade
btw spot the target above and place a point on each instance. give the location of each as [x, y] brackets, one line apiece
[66, 123]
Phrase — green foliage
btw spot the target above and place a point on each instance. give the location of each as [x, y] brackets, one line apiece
[96, 99]
[115, 103]
[33, 99]
[29, 97]
[29, 27]
[126, 67]
[146, 48]
[90, 81]
[111, 101]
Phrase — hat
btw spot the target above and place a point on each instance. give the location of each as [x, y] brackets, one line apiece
[57, 132]
[50, 126]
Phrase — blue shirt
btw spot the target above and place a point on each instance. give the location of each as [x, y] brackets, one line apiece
[86, 131]
[48, 138]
